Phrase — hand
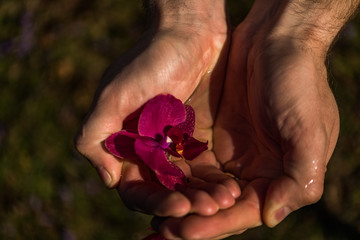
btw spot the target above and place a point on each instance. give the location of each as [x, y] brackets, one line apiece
[276, 129]
[181, 52]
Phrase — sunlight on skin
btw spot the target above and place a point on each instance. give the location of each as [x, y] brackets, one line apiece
[173, 72]
[275, 128]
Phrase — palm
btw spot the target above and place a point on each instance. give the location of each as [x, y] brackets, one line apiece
[179, 69]
[275, 130]
[277, 125]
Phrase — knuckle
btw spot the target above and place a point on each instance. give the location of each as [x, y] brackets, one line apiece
[79, 142]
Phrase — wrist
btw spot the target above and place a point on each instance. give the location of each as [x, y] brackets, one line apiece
[187, 16]
[313, 27]
[304, 24]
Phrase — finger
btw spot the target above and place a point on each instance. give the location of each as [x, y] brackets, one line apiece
[156, 221]
[206, 197]
[140, 193]
[218, 192]
[286, 195]
[213, 174]
[221, 188]
[90, 143]
[243, 215]
[201, 202]
[107, 166]
[302, 184]
[207, 168]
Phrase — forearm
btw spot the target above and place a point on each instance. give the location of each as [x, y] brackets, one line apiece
[312, 24]
[192, 14]
[318, 21]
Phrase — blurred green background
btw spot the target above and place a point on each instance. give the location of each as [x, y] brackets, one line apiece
[52, 55]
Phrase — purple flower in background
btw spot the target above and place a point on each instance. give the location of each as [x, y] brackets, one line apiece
[163, 127]
[26, 39]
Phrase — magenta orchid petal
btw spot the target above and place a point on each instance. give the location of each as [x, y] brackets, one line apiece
[122, 144]
[173, 152]
[193, 148]
[175, 134]
[131, 122]
[173, 182]
[188, 125]
[155, 157]
[158, 113]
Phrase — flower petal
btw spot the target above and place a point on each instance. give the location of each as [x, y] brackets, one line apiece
[172, 182]
[170, 175]
[188, 125]
[175, 134]
[122, 144]
[131, 122]
[193, 148]
[173, 153]
[158, 113]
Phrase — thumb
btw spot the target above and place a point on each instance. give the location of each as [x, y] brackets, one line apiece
[285, 195]
[301, 184]
[90, 143]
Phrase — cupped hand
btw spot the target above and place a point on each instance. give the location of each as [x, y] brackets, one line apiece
[174, 57]
[276, 129]
[280, 125]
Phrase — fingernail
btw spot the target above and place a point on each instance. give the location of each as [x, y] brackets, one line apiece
[281, 213]
[105, 176]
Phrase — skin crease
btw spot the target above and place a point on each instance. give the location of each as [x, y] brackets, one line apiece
[186, 59]
[275, 128]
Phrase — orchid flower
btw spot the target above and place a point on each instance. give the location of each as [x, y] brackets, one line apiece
[161, 128]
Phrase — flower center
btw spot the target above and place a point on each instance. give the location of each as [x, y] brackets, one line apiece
[179, 148]
[168, 140]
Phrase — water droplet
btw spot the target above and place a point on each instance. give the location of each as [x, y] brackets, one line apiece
[309, 183]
